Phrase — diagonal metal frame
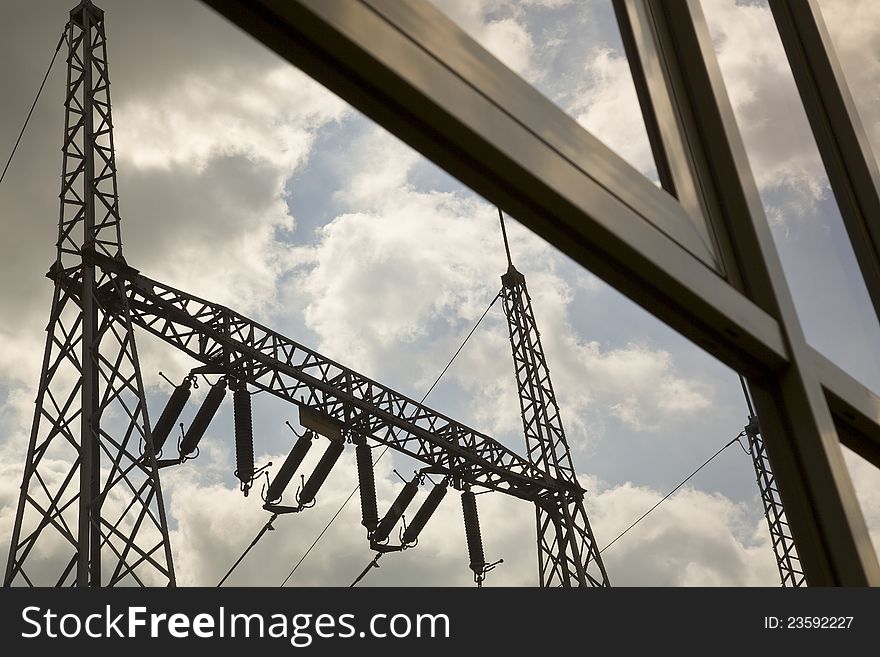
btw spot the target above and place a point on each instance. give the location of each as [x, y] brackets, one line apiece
[843, 144]
[801, 438]
[413, 71]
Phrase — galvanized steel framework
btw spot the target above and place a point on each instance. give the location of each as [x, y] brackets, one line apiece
[90, 477]
[567, 551]
[698, 255]
[91, 398]
[787, 561]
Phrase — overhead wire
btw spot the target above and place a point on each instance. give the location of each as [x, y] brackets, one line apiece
[385, 450]
[33, 106]
[268, 526]
[373, 564]
[672, 492]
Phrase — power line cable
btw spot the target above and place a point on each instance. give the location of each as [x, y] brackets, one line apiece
[259, 535]
[374, 563]
[672, 492]
[33, 105]
[385, 450]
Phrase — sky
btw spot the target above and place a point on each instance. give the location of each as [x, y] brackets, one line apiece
[245, 182]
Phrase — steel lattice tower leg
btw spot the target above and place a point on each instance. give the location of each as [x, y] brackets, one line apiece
[790, 571]
[567, 550]
[91, 487]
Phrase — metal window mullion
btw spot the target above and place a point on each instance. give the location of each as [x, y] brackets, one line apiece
[410, 69]
[533, 165]
[800, 434]
[846, 152]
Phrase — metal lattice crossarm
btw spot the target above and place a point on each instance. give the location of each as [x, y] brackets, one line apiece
[220, 337]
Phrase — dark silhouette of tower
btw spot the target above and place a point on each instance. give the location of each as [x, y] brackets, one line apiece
[567, 550]
[90, 478]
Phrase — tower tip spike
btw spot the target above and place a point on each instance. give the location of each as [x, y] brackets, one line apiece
[504, 235]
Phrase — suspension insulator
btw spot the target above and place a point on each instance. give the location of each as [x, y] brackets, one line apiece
[244, 434]
[367, 481]
[169, 416]
[203, 418]
[472, 532]
[406, 495]
[424, 513]
[316, 480]
[289, 467]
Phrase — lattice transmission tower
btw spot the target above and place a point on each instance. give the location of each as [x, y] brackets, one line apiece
[791, 573]
[567, 550]
[91, 473]
[90, 476]
[91, 490]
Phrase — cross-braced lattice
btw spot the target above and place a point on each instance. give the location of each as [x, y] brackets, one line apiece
[90, 480]
[790, 571]
[567, 550]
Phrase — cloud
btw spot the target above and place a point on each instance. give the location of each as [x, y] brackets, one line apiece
[605, 103]
[394, 286]
[780, 146]
[208, 196]
[853, 29]
[270, 117]
[692, 539]
[866, 481]
[497, 25]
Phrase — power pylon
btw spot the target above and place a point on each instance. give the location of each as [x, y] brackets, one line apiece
[791, 572]
[567, 550]
[90, 477]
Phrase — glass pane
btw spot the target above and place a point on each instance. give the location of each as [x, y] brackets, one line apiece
[816, 254]
[268, 194]
[854, 27]
[866, 481]
[572, 53]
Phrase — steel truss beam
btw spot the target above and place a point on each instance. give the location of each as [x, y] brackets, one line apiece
[90, 477]
[416, 73]
[269, 361]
